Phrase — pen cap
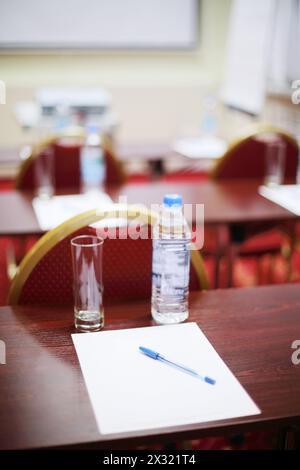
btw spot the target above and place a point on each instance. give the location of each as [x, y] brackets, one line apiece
[149, 352]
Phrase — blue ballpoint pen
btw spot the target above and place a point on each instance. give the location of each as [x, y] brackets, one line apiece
[159, 357]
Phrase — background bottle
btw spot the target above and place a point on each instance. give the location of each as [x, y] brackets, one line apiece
[209, 123]
[170, 263]
[62, 117]
[92, 161]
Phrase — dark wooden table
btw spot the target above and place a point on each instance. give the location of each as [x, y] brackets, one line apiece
[231, 202]
[9, 161]
[44, 402]
[152, 154]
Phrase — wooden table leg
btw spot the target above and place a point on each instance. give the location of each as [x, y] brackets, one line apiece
[236, 238]
[232, 253]
[288, 438]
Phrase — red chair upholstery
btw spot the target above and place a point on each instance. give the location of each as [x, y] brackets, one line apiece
[45, 274]
[245, 158]
[6, 184]
[186, 176]
[66, 153]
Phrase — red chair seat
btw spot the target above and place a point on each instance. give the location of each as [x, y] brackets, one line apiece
[266, 242]
[6, 184]
[270, 241]
[138, 178]
[183, 176]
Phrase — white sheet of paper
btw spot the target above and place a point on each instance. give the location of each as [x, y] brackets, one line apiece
[206, 147]
[130, 391]
[285, 195]
[58, 209]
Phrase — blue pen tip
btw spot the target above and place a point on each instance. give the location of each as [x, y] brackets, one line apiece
[209, 380]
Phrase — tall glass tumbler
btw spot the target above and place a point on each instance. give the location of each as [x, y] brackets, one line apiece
[87, 282]
[275, 163]
[44, 173]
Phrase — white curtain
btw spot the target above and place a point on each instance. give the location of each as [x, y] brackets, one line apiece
[263, 52]
[285, 45]
[293, 65]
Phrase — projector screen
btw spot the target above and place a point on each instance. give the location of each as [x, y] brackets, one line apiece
[99, 24]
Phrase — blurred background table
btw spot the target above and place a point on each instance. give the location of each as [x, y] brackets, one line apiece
[225, 202]
[154, 159]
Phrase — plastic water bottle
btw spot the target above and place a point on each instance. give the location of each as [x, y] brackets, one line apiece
[170, 263]
[63, 115]
[209, 119]
[92, 161]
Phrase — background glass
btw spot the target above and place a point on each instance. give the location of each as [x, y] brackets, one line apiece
[275, 162]
[44, 173]
[87, 282]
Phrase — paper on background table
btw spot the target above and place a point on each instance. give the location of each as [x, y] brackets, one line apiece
[206, 147]
[285, 195]
[54, 211]
[130, 391]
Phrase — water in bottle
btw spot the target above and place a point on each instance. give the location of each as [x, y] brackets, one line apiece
[171, 263]
[92, 161]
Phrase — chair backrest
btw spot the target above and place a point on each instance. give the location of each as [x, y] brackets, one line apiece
[66, 155]
[45, 274]
[245, 157]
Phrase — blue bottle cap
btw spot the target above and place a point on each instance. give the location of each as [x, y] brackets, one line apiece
[92, 129]
[173, 200]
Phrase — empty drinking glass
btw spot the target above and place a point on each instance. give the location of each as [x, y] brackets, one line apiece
[44, 173]
[87, 282]
[275, 162]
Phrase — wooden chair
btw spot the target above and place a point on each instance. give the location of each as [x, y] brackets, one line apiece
[245, 158]
[66, 153]
[66, 159]
[45, 274]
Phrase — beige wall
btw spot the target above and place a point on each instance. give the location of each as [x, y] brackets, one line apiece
[156, 94]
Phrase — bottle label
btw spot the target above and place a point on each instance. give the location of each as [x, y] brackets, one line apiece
[170, 269]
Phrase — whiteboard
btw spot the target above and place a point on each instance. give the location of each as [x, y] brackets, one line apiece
[248, 54]
[98, 24]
